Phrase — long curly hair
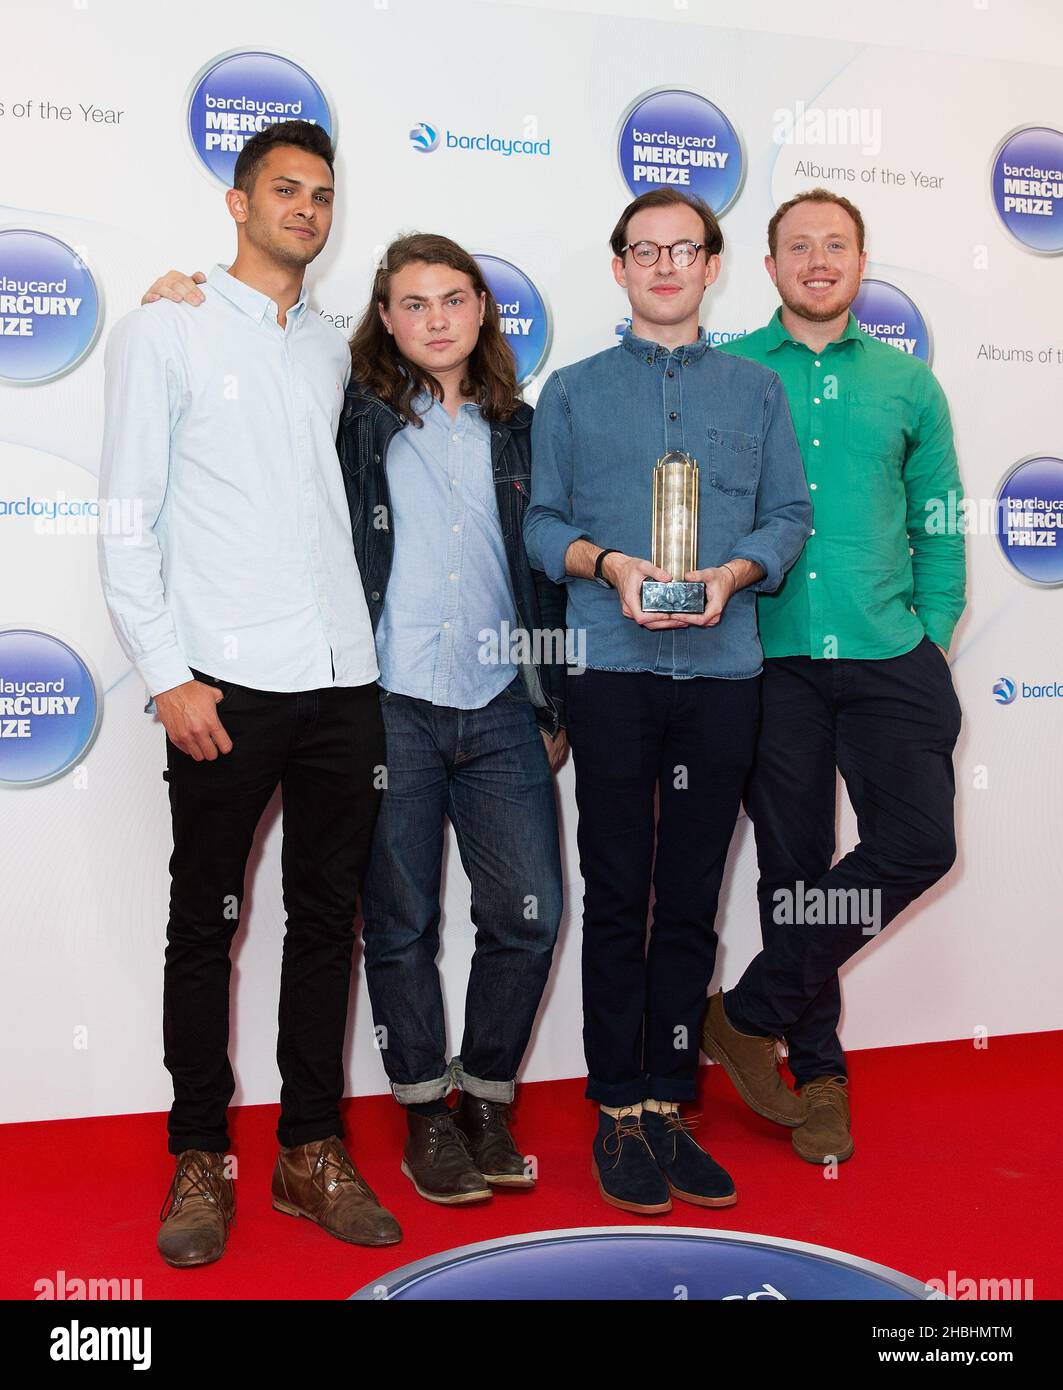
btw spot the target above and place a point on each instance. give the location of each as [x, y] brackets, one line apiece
[379, 366]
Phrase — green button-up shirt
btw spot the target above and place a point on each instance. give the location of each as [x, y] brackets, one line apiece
[882, 565]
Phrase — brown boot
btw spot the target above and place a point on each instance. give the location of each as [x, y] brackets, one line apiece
[824, 1137]
[750, 1063]
[485, 1125]
[198, 1211]
[437, 1161]
[320, 1182]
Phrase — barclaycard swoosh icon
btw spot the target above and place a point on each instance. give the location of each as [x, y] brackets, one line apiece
[424, 138]
[1004, 691]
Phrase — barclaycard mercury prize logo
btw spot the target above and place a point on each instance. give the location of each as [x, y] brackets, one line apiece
[522, 314]
[50, 707]
[680, 139]
[1027, 188]
[1029, 520]
[49, 307]
[885, 312]
[239, 94]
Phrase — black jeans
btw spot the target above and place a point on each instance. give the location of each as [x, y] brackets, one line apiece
[324, 748]
[890, 728]
[634, 734]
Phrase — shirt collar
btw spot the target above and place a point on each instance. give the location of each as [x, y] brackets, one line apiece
[252, 302]
[777, 334]
[651, 352]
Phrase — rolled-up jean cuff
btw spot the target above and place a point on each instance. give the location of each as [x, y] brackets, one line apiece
[499, 1091]
[421, 1092]
[669, 1089]
[617, 1093]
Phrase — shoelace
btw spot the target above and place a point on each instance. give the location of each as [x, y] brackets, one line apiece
[676, 1124]
[335, 1158]
[824, 1093]
[449, 1135]
[207, 1182]
[624, 1127]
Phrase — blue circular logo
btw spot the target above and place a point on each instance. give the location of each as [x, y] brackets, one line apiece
[1004, 691]
[49, 306]
[1029, 517]
[624, 1262]
[49, 707]
[1027, 182]
[522, 314]
[424, 138]
[888, 314]
[239, 94]
[680, 140]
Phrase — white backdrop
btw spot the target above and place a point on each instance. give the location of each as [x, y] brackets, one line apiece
[83, 908]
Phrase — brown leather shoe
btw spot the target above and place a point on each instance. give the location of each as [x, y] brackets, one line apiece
[437, 1161]
[750, 1063]
[485, 1125]
[824, 1137]
[198, 1211]
[320, 1182]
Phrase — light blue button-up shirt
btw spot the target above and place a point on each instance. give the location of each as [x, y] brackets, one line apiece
[449, 580]
[219, 437]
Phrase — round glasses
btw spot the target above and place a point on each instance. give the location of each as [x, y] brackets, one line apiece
[647, 253]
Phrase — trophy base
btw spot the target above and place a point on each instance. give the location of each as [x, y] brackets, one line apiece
[672, 596]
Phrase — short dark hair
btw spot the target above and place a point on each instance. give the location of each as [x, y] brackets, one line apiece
[666, 198]
[304, 135]
[815, 195]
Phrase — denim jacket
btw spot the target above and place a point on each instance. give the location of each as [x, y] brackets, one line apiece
[367, 427]
[600, 426]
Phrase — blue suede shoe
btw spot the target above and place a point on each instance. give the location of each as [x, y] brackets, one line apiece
[626, 1171]
[691, 1174]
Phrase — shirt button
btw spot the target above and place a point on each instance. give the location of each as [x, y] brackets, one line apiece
[815, 400]
[455, 528]
[818, 363]
[455, 437]
[670, 372]
[672, 415]
[812, 532]
[454, 482]
[453, 577]
[812, 574]
[649, 359]
[375, 595]
[816, 443]
[446, 624]
[812, 487]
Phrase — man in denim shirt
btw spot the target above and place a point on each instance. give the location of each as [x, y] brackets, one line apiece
[668, 703]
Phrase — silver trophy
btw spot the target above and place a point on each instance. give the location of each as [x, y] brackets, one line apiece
[675, 537]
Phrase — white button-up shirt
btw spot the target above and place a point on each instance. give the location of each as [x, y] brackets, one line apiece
[219, 442]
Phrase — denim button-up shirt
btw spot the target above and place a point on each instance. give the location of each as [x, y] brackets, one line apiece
[601, 425]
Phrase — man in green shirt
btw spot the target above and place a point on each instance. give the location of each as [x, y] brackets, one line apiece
[856, 677]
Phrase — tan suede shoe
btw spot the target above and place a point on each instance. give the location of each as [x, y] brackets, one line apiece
[320, 1182]
[824, 1137]
[751, 1064]
[198, 1211]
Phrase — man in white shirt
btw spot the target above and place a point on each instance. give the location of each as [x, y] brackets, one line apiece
[241, 606]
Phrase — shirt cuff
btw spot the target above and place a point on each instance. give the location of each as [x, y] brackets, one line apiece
[553, 548]
[162, 670]
[766, 559]
[938, 627]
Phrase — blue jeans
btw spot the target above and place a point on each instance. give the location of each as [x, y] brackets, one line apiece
[486, 770]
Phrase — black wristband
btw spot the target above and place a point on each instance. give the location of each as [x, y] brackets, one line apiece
[600, 578]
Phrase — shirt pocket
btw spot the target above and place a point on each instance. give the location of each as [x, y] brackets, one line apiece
[874, 428]
[734, 462]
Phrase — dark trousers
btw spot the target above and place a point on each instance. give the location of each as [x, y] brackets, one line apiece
[324, 748]
[890, 728]
[487, 770]
[635, 735]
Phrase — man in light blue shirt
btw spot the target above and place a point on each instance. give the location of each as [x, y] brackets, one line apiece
[242, 599]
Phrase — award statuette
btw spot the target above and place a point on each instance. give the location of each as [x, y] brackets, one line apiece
[675, 537]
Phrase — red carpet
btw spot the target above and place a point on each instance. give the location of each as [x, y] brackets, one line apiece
[956, 1168]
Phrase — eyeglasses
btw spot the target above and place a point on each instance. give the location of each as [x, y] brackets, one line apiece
[647, 253]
